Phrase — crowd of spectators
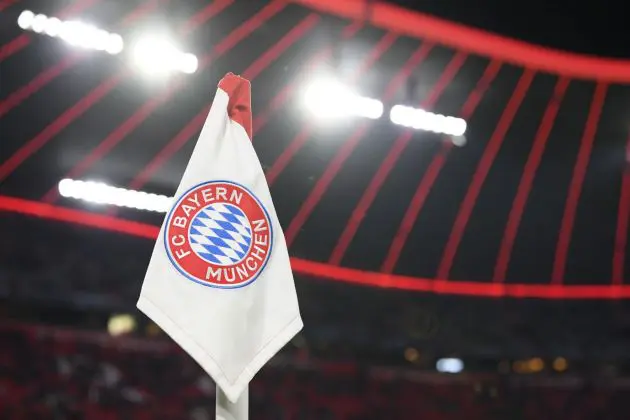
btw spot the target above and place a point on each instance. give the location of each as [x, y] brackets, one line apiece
[46, 373]
[44, 261]
[57, 260]
[52, 374]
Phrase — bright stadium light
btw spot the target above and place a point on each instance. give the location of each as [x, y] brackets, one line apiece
[420, 119]
[39, 23]
[449, 365]
[76, 33]
[328, 98]
[101, 193]
[53, 27]
[159, 56]
[120, 324]
[25, 20]
[115, 44]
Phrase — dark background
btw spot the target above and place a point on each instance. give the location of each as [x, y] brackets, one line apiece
[581, 27]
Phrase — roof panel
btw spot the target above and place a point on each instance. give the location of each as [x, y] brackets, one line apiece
[422, 219]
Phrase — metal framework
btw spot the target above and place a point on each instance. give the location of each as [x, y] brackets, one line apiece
[460, 80]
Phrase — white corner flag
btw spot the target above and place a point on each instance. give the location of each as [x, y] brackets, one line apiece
[219, 281]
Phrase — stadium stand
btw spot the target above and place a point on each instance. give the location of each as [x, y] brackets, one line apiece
[56, 373]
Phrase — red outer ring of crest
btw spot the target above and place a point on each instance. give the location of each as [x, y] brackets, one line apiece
[193, 267]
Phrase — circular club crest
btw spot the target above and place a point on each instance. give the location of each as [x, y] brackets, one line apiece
[219, 234]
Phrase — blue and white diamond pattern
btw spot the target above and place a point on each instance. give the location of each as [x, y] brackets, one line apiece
[221, 234]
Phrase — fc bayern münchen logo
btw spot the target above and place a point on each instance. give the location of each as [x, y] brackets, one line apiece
[219, 234]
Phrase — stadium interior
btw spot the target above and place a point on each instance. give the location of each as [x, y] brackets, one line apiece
[456, 205]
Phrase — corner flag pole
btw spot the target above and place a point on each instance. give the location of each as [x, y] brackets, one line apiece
[224, 190]
[227, 410]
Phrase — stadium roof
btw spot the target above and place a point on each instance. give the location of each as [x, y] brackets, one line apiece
[536, 203]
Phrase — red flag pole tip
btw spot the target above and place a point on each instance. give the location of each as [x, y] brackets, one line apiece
[240, 105]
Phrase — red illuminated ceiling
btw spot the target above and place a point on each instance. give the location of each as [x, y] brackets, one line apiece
[524, 103]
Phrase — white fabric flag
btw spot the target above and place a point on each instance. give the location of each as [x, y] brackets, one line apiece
[219, 281]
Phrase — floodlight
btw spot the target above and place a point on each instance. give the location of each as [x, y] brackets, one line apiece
[158, 56]
[328, 98]
[104, 194]
[449, 365]
[420, 119]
